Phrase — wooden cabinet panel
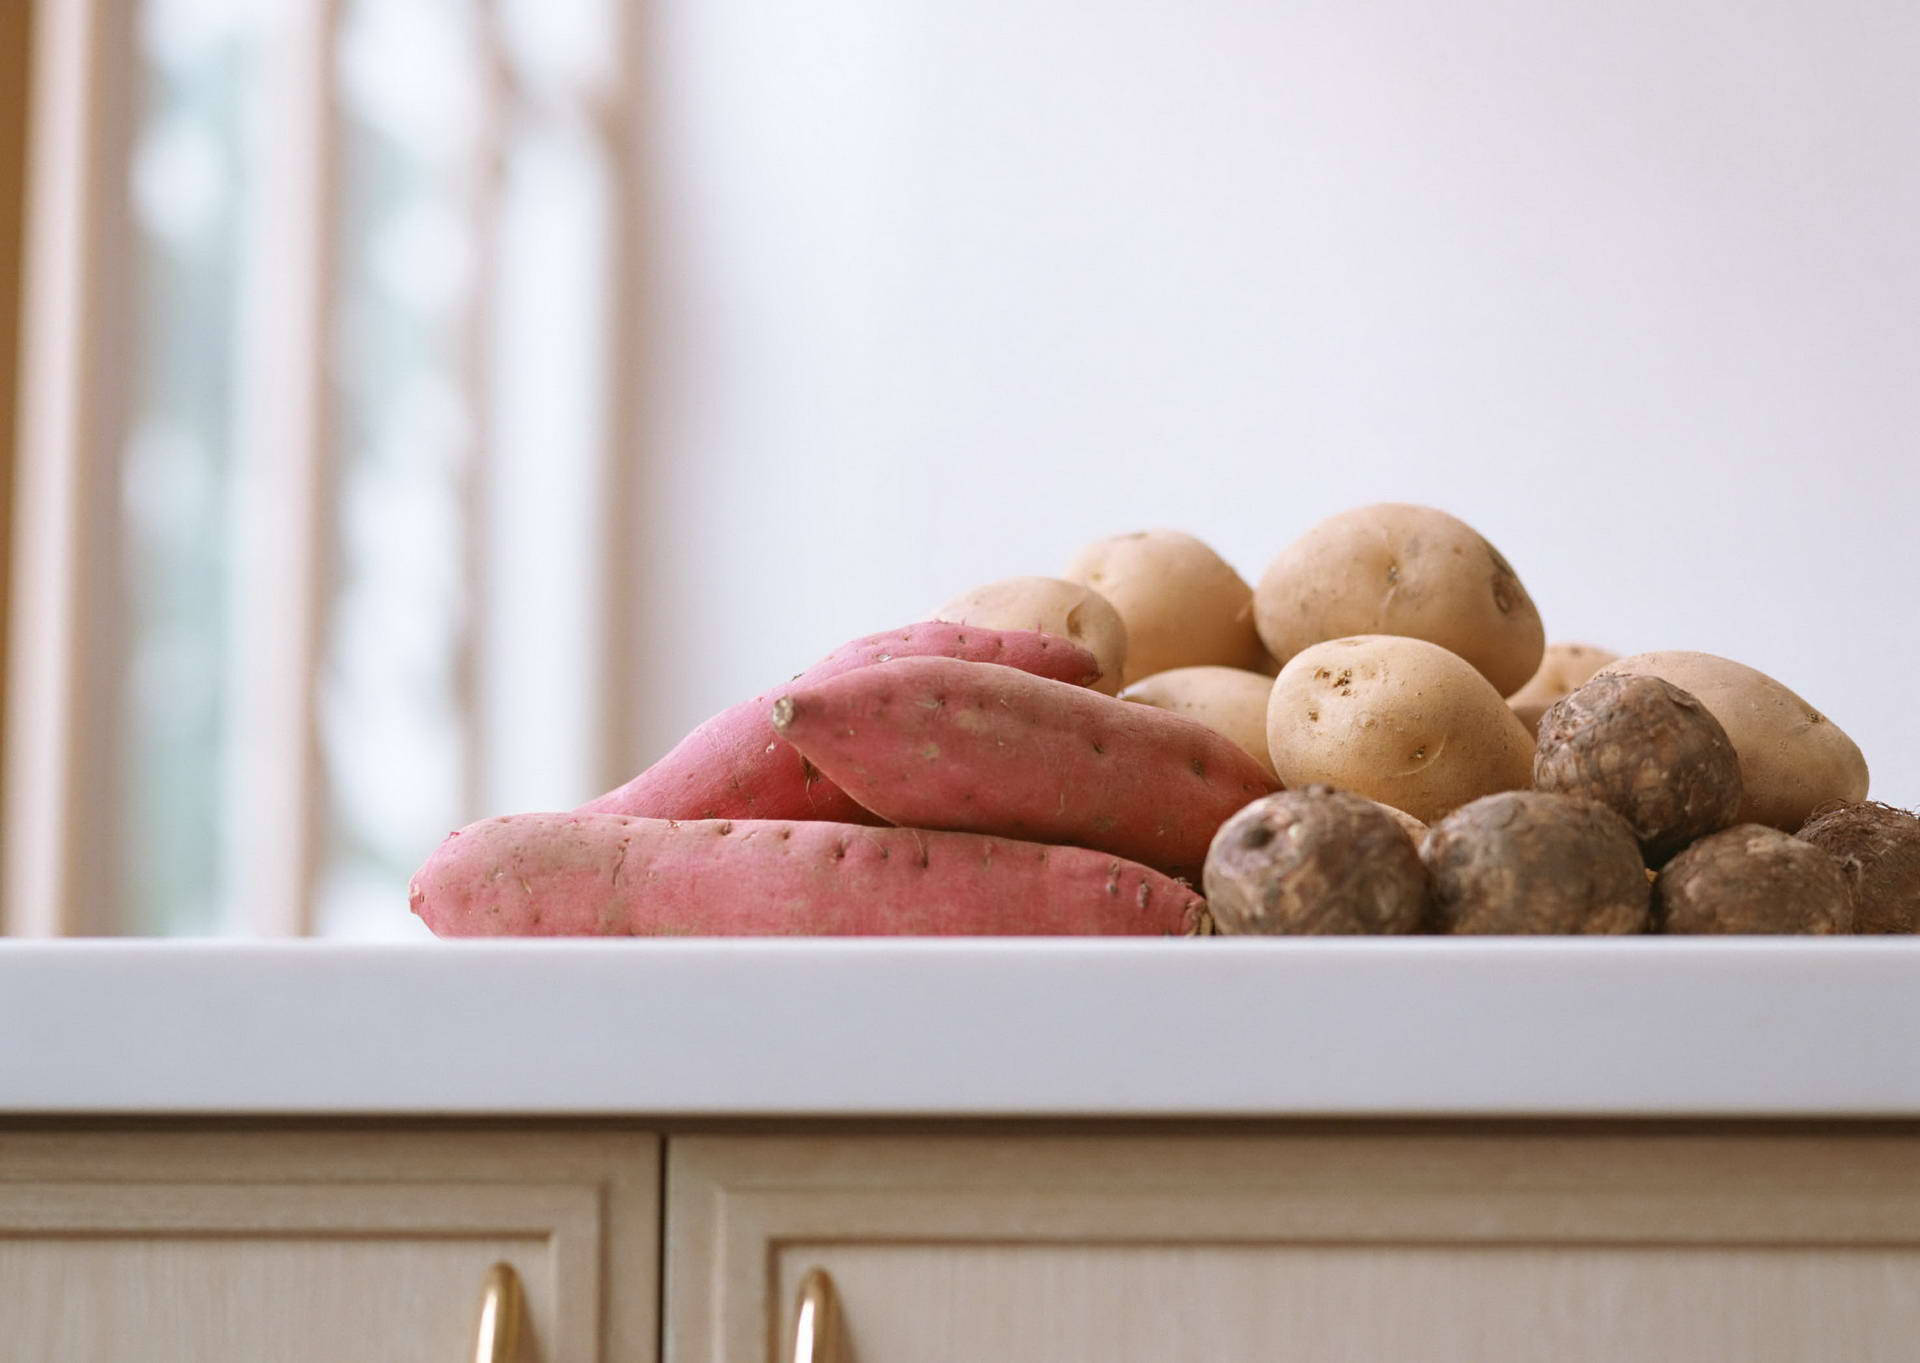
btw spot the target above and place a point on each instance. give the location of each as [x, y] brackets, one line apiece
[155, 1247]
[1361, 1246]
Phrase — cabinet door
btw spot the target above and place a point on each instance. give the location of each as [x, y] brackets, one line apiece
[150, 1247]
[1363, 1246]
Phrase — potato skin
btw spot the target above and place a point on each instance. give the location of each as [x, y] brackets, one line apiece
[1314, 861]
[1792, 758]
[1648, 751]
[1229, 700]
[1524, 861]
[1564, 669]
[1184, 605]
[1878, 849]
[1752, 879]
[1408, 570]
[1049, 605]
[1399, 720]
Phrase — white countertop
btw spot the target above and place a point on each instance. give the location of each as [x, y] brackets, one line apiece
[978, 1028]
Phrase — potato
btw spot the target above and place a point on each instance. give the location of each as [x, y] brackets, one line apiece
[1049, 605]
[1399, 720]
[1184, 605]
[1409, 570]
[1524, 861]
[1229, 700]
[1314, 861]
[1564, 668]
[1792, 758]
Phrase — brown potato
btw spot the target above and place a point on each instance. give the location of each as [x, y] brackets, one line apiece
[1183, 604]
[1229, 700]
[1648, 751]
[1399, 720]
[1792, 758]
[1878, 848]
[1314, 861]
[1524, 861]
[1049, 605]
[1408, 570]
[1564, 668]
[1752, 879]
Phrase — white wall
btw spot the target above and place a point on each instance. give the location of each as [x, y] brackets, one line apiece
[941, 291]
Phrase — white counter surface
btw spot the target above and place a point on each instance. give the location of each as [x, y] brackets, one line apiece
[981, 1028]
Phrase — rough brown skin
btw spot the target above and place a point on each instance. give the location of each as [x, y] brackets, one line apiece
[1316, 861]
[1878, 848]
[601, 875]
[1647, 750]
[1528, 862]
[1752, 879]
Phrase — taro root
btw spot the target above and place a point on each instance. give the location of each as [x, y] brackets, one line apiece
[1527, 861]
[1752, 879]
[1648, 751]
[1878, 848]
[1314, 861]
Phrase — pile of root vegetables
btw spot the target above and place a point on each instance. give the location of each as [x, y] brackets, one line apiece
[1377, 739]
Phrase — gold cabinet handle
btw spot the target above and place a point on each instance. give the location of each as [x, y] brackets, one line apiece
[816, 1326]
[497, 1340]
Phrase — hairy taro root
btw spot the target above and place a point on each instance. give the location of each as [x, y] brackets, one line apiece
[1752, 879]
[1314, 861]
[1648, 751]
[1531, 862]
[1878, 849]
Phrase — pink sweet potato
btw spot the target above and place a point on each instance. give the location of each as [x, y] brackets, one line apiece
[937, 743]
[608, 875]
[734, 767]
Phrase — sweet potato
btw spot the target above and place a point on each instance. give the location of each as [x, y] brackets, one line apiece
[733, 767]
[937, 743]
[608, 875]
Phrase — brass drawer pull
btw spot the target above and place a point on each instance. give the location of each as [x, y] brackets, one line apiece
[501, 1303]
[816, 1328]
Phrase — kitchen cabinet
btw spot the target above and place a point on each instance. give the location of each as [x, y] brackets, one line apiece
[1371, 1243]
[300, 1246]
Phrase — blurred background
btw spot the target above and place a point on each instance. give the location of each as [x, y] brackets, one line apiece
[432, 408]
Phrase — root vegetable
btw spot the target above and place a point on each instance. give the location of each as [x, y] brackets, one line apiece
[1406, 570]
[733, 767]
[1752, 879]
[1183, 604]
[1648, 751]
[1878, 849]
[1314, 861]
[1527, 862]
[1401, 721]
[608, 875]
[934, 743]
